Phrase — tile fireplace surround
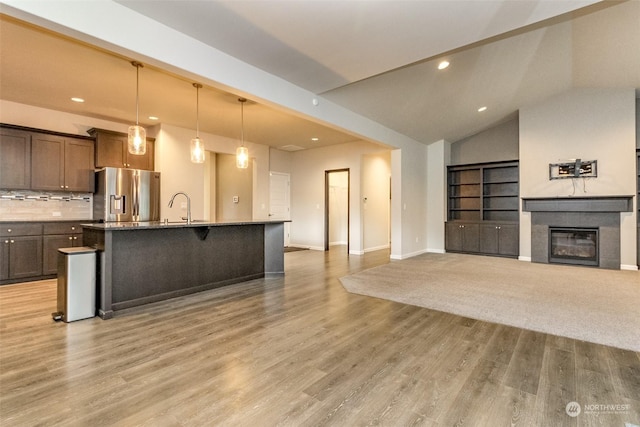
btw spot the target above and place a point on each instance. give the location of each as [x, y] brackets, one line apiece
[602, 213]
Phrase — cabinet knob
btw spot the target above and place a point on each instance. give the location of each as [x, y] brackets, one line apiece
[6, 241]
[8, 230]
[70, 238]
[75, 238]
[73, 228]
[66, 186]
[13, 241]
[62, 186]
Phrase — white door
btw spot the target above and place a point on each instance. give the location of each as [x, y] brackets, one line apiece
[279, 200]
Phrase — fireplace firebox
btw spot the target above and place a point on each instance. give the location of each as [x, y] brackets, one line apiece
[573, 246]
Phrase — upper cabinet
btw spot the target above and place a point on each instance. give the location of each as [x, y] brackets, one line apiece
[111, 151]
[15, 159]
[35, 160]
[61, 163]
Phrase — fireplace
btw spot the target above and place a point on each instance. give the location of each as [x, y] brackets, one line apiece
[588, 229]
[573, 246]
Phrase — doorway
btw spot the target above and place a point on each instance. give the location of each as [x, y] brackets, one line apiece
[280, 201]
[337, 190]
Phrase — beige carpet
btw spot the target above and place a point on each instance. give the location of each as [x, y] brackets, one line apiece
[590, 304]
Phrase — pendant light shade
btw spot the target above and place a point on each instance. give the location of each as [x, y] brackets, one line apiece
[197, 146]
[242, 153]
[137, 140]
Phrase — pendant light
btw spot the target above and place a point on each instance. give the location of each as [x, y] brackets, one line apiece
[137, 140]
[197, 146]
[242, 153]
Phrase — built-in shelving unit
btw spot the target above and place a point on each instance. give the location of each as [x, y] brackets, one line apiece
[484, 192]
[483, 208]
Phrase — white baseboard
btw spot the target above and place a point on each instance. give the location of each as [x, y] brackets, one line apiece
[628, 267]
[436, 251]
[524, 258]
[376, 248]
[410, 255]
[356, 252]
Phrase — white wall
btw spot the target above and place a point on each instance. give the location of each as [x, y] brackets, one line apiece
[179, 174]
[590, 124]
[409, 201]
[438, 155]
[376, 205]
[307, 192]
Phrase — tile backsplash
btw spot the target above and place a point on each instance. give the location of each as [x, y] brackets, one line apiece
[44, 206]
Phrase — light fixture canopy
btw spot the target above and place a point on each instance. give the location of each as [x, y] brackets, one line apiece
[197, 146]
[242, 153]
[137, 139]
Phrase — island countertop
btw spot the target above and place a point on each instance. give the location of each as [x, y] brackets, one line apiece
[149, 225]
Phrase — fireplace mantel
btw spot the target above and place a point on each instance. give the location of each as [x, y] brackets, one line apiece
[578, 204]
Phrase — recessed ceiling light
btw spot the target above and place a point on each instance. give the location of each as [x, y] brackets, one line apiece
[443, 64]
[153, 118]
[76, 99]
[314, 139]
[481, 109]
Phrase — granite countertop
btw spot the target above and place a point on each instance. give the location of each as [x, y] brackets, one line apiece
[149, 225]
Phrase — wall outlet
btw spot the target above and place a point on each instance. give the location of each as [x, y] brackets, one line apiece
[56, 213]
[236, 199]
[183, 205]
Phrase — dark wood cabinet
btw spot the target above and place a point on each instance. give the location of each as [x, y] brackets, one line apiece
[15, 159]
[21, 255]
[483, 208]
[111, 151]
[462, 237]
[499, 239]
[55, 236]
[61, 163]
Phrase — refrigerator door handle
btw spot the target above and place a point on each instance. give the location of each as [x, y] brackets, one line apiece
[136, 201]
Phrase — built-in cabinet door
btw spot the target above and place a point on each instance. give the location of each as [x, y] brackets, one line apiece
[499, 239]
[25, 256]
[462, 237]
[79, 170]
[15, 159]
[47, 162]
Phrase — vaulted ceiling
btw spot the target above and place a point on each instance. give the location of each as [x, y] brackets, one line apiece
[376, 58]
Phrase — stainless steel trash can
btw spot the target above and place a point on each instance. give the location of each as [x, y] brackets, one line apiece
[76, 284]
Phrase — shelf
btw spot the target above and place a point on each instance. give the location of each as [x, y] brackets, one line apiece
[484, 192]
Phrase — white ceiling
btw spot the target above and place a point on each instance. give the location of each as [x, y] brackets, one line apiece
[376, 58]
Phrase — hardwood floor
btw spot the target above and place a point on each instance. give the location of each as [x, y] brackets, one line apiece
[298, 351]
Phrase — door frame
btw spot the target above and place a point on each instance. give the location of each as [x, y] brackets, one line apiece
[326, 206]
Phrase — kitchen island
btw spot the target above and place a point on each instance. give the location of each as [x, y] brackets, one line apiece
[145, 262]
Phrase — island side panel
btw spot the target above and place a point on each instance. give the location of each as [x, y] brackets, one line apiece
[274, 250]
[155, 264]
[100, 240]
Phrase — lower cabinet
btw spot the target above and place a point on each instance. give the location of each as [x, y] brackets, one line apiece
[29, 250]
[502, 239]
[51, 245]
[21, 257]
[486, 238]
[462, 237]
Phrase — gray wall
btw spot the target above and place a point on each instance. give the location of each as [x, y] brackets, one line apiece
[637, 122]
[495, 144]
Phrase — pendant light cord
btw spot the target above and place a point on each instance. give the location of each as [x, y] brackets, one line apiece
[137, 65]
[242, 101]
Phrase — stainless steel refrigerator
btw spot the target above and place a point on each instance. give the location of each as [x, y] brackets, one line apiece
[126, 195]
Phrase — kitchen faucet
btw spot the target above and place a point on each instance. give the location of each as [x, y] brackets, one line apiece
[188, 218]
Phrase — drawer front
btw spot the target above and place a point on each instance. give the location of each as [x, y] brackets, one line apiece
[20, 229]
[62, 228]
